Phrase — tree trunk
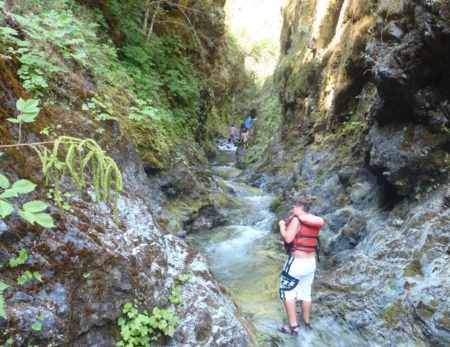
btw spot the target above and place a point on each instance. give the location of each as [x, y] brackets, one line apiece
[147, 13]
[150, 30]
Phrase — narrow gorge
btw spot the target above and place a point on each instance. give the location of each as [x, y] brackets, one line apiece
[127, 219]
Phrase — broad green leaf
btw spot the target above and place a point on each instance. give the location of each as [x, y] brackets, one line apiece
[36, 326]
[28, 118]
[23, 186]
[30, 107]
[5, 209]
[9, 193]
[44, 219]
[28, 216]
[4, 182]
[3, 286]
[20, 259]
[37, 276]
[24, 278]
[20, 104]
[13, 120]
[35, 206]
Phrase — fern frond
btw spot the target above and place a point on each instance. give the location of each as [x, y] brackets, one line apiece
[82, 156]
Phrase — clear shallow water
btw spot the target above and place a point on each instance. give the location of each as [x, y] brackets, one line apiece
[246, 257]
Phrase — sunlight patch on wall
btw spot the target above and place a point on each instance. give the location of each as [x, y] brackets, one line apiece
[256, 25]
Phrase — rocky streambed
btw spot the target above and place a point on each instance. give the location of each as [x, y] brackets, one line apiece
[246, 257]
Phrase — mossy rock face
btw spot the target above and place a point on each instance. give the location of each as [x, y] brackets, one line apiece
[392, 314]
[219, 199]
[413, 269]
[276, 203]
[208, 217]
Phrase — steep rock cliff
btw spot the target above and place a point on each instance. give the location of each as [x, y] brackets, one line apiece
[365, 134]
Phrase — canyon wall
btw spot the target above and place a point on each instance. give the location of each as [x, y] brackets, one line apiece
[365, 135]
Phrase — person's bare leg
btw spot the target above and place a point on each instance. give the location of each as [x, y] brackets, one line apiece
[289, 305]
[306, 310]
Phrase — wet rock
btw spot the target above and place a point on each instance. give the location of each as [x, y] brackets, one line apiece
[20, 297]
[395, 95]
[393, 32]
[406, 158]
[7, 234]
[3, 227]
[96, 337]
[241, 165]
[56, 297]
[360, 191]
[25, 317]
[349, 226]
[207, 218]
[180, 180]
[447, 197]
[181, 234]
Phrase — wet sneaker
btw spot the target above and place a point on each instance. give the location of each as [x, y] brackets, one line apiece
[308, 326]
[286, 329]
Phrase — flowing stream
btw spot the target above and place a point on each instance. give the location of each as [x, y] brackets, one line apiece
[246, 257]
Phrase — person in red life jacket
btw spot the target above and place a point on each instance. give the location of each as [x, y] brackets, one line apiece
[301, 236]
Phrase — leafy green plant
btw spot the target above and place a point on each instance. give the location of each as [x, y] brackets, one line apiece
[9, 342]
[59, 198]
[32, 211]
[51, 131]
[101, 110]
[351, 126]
[144, 111]
[29, 110]
[28, 276]
[260, 338]
[36, 65]
[37, 325]
[20, 259]
[3, 286]
[137, 329]
[176, 294]
[184, 278]
[51, 36]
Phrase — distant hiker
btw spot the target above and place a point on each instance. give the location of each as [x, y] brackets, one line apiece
[250, 120]
[232, 134]
[243, 141]
[245, 136]
[301, 238]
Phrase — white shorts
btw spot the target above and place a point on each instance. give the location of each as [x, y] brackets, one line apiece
[296, 279]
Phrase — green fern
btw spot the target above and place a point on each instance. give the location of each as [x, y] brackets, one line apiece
[81, 156]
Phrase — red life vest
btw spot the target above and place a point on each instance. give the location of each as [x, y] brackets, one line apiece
[307, 237]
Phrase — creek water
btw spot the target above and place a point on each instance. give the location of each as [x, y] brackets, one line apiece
[247, 258]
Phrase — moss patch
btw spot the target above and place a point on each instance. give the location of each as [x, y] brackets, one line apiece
[413, 269]
[276, 203]
[391, 314]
